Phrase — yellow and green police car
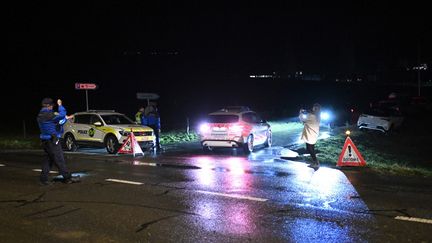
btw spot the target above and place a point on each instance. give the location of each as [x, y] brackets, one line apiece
[107, 129]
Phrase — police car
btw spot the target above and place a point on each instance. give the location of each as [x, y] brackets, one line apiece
[235, 127]
[106, 129]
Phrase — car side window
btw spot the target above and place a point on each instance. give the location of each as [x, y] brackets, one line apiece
[82, 119]
[258, 118]
[247, 117]
[251, 117]
[95, 118]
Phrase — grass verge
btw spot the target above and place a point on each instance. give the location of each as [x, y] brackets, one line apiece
[177, 137]
[398, 153]
[11, 142]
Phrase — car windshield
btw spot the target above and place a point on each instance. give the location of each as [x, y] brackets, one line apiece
[116, 119]
[222, 118]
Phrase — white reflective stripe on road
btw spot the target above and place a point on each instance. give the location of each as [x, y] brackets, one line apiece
[51, 171]
[234, 196]
[144, 163]
[411, 219]
[125, 182]
[91, 153]
[2, 165]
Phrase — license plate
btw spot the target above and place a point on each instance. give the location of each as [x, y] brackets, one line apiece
[219, 136]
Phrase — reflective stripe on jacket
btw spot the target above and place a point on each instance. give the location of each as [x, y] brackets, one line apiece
[138, 117]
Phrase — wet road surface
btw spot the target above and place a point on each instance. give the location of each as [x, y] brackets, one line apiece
[186, 195]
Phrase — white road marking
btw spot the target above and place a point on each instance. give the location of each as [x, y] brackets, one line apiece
[419, 220]
[126, 182]
[51, 171]
[90, 153]
[234, 196]
[2, 165]
[144, 163]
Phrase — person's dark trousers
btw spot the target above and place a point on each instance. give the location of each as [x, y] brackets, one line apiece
[311, 150]
[53, 156]
[157, 135]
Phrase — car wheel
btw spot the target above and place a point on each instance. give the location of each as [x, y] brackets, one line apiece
[269, 141]
[249, 145]
[69, 143]
[111, 144]
[390, 130]
[206, 148]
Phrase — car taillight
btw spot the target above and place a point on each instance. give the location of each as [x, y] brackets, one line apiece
[204, 128]
[236, 128]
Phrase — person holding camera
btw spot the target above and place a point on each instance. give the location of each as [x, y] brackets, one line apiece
[51, 129]
[311, 122]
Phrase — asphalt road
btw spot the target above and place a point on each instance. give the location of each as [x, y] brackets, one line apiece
[186, 195]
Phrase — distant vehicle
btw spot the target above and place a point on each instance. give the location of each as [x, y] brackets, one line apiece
[106, 129]
[381, 119]
[235, 127]
[339, 114]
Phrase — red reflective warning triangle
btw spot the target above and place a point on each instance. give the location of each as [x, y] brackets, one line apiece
[350, 155]
[130, 146]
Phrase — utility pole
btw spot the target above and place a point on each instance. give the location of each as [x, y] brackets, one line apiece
[87, 106]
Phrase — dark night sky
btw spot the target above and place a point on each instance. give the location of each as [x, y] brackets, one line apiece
[52, 45]
[232, 37]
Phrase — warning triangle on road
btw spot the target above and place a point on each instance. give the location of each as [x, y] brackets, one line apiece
[350, 155]
[130, 146]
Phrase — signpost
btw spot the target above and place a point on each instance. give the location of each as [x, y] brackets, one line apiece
[86, 87]
[147, 96]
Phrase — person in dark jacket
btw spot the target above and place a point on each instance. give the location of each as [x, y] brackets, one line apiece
[151, 118]
[51, 129]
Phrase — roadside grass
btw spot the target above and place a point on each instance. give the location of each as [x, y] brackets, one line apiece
[16, 142]
[401, 153]
[177, 136]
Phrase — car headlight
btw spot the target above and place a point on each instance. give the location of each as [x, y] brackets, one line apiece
[204, 128]
[325, 116]
[123, 133]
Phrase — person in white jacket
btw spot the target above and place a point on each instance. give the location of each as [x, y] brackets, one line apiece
[311, 122]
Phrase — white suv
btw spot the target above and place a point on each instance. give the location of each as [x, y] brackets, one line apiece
[235, 127]
[106, 129]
